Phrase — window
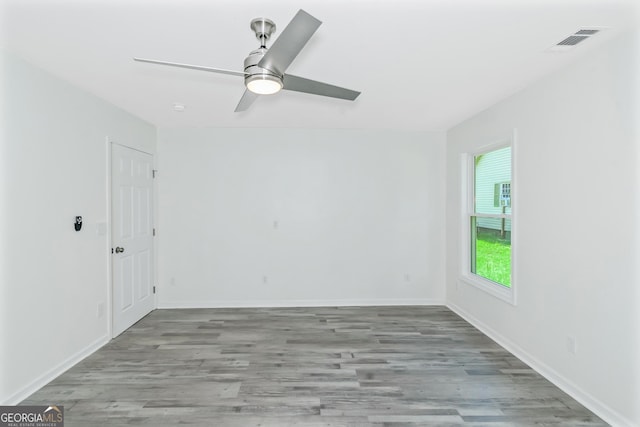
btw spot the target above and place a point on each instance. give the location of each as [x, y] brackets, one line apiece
[488, 222]
[502, 194]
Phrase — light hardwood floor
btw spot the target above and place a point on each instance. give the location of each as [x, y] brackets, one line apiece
[348, 366]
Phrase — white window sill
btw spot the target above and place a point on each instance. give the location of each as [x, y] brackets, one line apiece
[492, 288]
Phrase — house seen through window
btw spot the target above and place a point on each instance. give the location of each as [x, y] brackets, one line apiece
[490, 254]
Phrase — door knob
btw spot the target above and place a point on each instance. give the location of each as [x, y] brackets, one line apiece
[119, 250]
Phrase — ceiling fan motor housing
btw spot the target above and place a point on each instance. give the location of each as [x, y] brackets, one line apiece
[257, 73]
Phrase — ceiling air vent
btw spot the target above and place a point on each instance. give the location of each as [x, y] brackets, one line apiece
[572, 40]
[587, 32]
[575, 38]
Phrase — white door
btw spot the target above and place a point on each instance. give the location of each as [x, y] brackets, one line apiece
[131, 236]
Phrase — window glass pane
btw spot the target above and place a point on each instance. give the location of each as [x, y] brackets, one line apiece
[491, 249]
[492, 182]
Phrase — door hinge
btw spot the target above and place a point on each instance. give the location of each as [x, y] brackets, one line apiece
[154, 289]
[154, 172]
[154, 231]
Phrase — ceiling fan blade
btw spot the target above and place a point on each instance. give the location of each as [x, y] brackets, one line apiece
[287, 46]
[245, 102]
[193, 67]
[300, 84]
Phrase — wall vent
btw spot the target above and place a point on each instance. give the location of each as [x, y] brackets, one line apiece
[574, 39]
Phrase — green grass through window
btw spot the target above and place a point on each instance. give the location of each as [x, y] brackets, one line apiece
[493, 257]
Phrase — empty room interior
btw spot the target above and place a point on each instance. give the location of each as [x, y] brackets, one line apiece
[367, 213]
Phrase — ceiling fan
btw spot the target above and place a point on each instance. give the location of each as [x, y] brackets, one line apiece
[264, 68]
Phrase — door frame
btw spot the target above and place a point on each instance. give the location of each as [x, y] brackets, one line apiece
[109, 303]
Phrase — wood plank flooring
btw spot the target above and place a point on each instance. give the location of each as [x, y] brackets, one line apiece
[347, 366]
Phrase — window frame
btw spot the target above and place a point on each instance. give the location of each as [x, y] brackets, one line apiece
[507, 294]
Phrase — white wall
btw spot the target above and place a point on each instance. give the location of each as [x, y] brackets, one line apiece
[263, 217]
[53, 166]
[576, 227]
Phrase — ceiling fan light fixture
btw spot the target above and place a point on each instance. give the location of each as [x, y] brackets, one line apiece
[265, 68]
[264, 84]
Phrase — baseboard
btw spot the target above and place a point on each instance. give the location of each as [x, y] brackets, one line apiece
[297, 303]
[609, 415]
[55, 372]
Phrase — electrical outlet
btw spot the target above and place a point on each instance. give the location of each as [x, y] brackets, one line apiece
[571, 345]
[100, 310]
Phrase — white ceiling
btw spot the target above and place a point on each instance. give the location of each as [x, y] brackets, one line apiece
[421, 65]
